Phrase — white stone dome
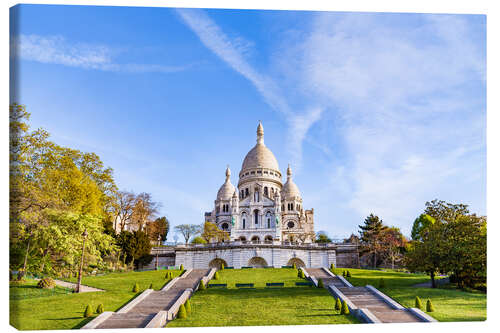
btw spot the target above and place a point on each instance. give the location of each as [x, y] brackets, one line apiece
[260, 156]
[290, 189]
[227, 189]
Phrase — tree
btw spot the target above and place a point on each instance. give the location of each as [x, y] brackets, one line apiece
[123, 208]
[322, 237]
[211, 233]
[144, 210]
[443, 211]
[136, 247]
[158, 227]
[420, 226]
[188, 230]
[198, 240]
[393, 244]
[370, 236]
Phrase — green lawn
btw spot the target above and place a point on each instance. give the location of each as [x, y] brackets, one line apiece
[450, 304]
[290, 305]
[65, 311]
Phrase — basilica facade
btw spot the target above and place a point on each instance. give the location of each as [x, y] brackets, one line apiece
[262, 209]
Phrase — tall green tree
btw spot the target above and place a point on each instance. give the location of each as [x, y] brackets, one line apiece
[370, 234]
[421, 225]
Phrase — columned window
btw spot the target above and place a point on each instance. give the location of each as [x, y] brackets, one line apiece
[256, 216]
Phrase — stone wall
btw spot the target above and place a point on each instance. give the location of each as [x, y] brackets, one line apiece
[255, 255]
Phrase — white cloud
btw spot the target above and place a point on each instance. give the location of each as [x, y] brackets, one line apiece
[58, 50]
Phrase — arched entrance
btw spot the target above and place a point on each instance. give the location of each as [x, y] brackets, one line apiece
[268, 239]
[255, 240]
[217, 263]
[298, 262]
[257, 262]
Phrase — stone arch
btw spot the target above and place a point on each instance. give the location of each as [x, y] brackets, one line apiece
[255, 239]
[297, 261]
[225, 225]
[268, 239]
[217, 263]
[242, 239]
[257, 262]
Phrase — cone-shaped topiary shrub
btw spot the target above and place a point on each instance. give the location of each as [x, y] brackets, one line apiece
[348, 274]
[182, 267]
[188, 306]
[344, 273]
[222, 266]
[202, 286]
[46, 283]
[429, 307]
[216, 276]
[151, 286]
[88, 311]
[182, 314]
[381, 283]
[301, 274]
[171, 275]
[100, 309]
[167, 275]
[294, 266]
[345, 309]
[418, 303]
[338, 304]
[332, 266]
[320, 283]
[136, 288]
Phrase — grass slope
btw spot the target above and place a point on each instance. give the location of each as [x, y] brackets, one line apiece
[450, 304]
[66, 311]
[290, 305]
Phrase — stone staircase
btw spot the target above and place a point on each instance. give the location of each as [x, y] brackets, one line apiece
[381, 309]
[155, 301]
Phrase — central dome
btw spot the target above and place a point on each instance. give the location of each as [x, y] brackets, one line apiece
[260, 156]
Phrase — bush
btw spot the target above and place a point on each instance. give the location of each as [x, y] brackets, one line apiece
[188, 306]
[418, 303]
[168, 275]
[216, 276]
[181, 268]
[348, 274]
[151, 286]
[182, 314]
[301, 274]
[381, 283]
[320, 283]
[332, 266]
[344, 274]
[202, 286]
[294, 266]
[345, 309]
[20, 275]
[222, 266]
[338, 304]
[136, 288]
[429, 307]
[100, 308]
[46, 283]
[88, 311]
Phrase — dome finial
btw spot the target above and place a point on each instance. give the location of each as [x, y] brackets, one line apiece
[260, 133]
[289, 171]
[228, 173]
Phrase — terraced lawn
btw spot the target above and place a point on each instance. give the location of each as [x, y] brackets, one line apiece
[450, 304]
[290, 305]
[65, 311]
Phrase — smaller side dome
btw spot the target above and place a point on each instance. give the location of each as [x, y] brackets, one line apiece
[227, 189]
[290, 189]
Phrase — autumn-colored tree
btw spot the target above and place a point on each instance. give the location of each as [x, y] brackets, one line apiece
[393, 244]
[211, 233]
[158, 227]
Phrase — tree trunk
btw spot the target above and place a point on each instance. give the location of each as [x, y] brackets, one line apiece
[433, 281]
[392, 262]
[374, 259]
[26, 256]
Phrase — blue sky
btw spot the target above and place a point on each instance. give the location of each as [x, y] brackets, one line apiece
[376, 113]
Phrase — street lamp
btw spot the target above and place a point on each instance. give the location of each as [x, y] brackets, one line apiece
[158, 250]
[85, 234]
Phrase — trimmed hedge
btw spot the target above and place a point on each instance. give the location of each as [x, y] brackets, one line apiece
[202, 286]
[418, 303]
[216, 276]
[100, 308]
[348, 274]
[338, 304]
[332, 266]
[46, 283]
[182, 267]
[135, 289]
[151, 286]
[294, 266]
[88, 311]
[222, 266]
[188, 306]
[182, 314]
[429, 307]
[320, 283]
[345, 309]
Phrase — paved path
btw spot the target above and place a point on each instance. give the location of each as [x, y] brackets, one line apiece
[70, 285]
[429, 284]
[363, 297]
[140, 315]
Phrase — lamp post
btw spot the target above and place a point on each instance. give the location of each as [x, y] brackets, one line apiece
[85, 234]
[158, 250]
